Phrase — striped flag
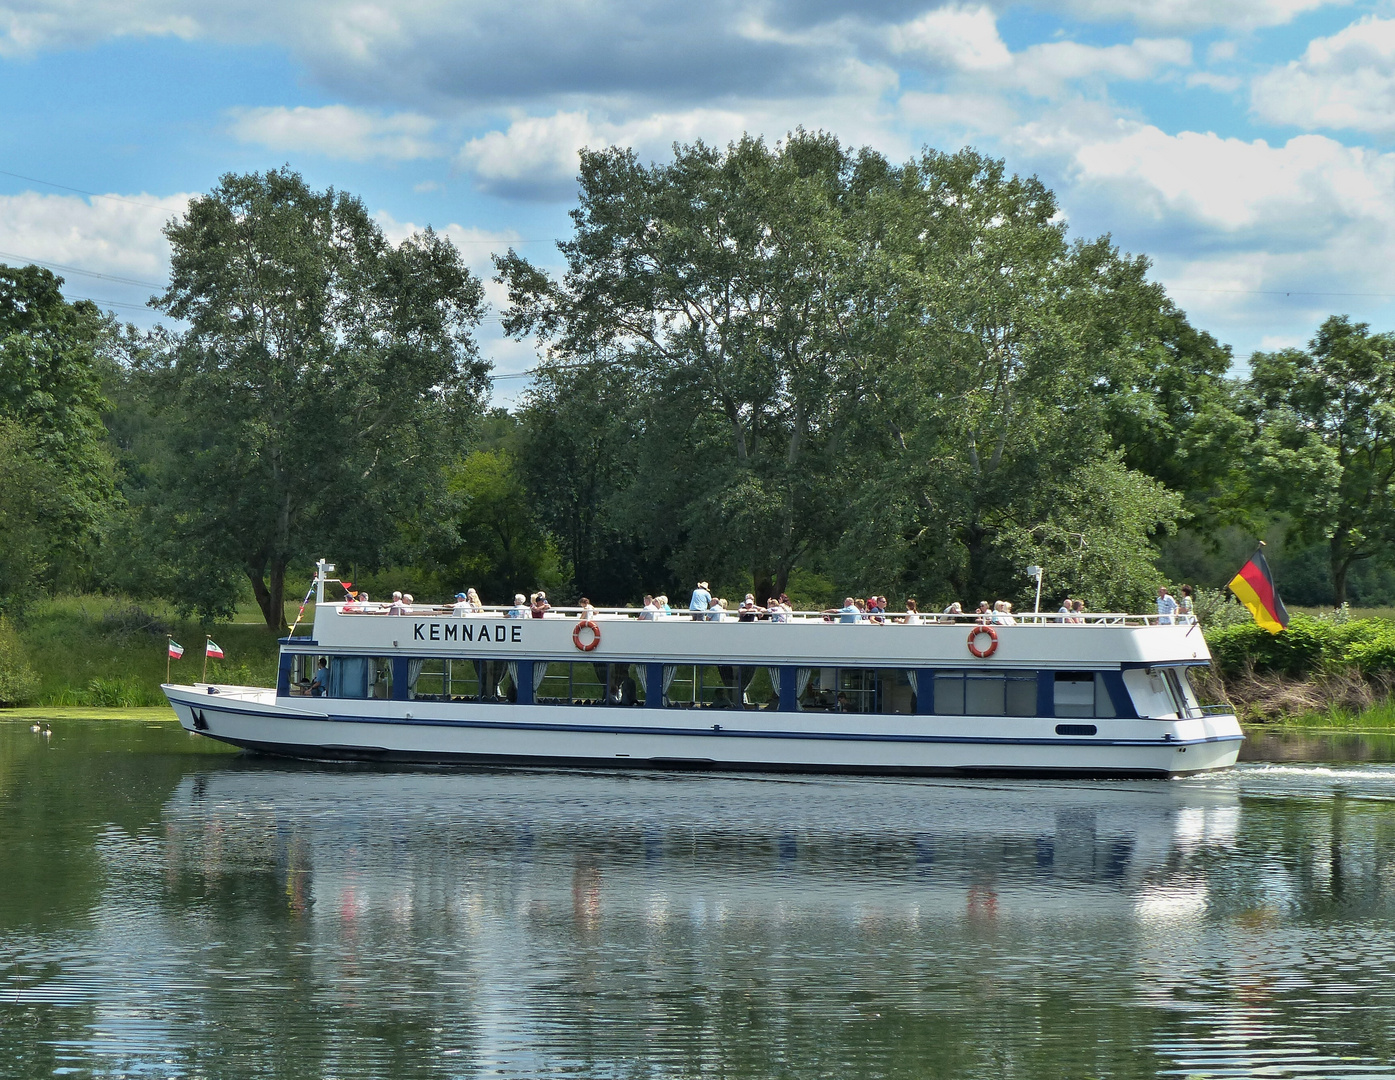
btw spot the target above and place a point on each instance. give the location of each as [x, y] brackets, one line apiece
[1254, 586]
[213, 650]
[176, 649]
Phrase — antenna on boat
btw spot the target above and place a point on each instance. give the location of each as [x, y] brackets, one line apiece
[322, 571]
[1035, 571]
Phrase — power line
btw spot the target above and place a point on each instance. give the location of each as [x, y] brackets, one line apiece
[81, 191]
[79, 270]
[1282, 292]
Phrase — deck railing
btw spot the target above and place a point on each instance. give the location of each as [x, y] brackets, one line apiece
[1113, 618]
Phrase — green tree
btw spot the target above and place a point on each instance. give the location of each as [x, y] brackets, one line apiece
[323, 382]
[52, 361]
[1325, 452]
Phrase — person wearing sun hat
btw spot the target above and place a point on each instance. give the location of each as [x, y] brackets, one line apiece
[701, 601]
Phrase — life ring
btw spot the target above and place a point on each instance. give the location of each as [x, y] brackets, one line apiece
[983, 654]
[586, 624]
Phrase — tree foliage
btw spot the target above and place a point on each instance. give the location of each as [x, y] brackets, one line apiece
[323, 382]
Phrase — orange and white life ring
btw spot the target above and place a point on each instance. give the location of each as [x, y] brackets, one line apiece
[586, 624]
[992, 641]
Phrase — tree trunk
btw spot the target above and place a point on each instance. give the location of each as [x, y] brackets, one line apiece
[257, 576]
[1341, 563]
[271, 597]
[765, 586]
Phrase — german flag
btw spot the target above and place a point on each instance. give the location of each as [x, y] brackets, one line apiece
[1254, 586]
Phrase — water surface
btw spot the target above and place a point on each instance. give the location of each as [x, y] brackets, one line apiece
[170, 910]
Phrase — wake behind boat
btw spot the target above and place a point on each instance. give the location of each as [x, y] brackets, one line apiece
[1109, 696]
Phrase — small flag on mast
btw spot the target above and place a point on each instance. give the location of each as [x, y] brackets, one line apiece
[213, 650]
[176, 649]
[1254, 586]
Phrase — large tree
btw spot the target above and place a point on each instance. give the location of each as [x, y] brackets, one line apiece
[52, 360]
[905, 372]
[324, 380]
[1325, 447]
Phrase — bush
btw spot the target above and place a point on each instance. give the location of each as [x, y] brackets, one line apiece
[1311, 646]
[18, 682]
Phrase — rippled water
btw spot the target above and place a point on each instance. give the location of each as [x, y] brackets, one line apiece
[169, 910]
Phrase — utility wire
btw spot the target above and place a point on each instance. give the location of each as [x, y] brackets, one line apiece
[79, 270]
[81, 191]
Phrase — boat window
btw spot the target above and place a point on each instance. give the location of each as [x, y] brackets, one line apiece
[303, 667]
[1177, 688]
[856, 690]
[720, 686]
[360, 677]
[986, 693]
[584, 683]
[444, 679]
[1082, 693]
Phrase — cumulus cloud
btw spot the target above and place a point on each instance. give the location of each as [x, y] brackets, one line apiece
[1346, 81]
[118, 239]
[960, 38]
[1197, 14]
[338, 131]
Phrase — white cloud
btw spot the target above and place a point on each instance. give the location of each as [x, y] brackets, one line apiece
[1346, 81]
[119, 237]
[1196, 14]
[1046, 68]
[337, 131]
[961, 38]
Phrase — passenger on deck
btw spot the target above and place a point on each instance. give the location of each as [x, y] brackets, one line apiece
[780, 609]
[1185, 611]
[954, 611]
[398, 606]
[849, 612]
[717, 610]
[519, 609]
[912, 613]
[474, 599]
[662, 601]
[461, 607]
[650, 611]
[1067, 609]
[588, 613]
[538, 605]
[1008, 618]
[1167, 606]
[984, 612]
[1080, 611]
[749, 610]
[701, 601]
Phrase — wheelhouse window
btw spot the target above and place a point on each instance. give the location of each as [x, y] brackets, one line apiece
[584, 683]
[720, 686]
[1082, 693]
[856, 690]
[995, 693]
[445, 679]
[361, 677]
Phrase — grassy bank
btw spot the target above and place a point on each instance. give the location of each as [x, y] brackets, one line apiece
[104, 652]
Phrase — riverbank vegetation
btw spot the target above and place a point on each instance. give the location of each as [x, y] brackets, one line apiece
[793, 368]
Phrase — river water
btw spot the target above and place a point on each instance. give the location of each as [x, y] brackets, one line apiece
[171, 910]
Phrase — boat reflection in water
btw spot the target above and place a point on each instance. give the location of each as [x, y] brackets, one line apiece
[543, 922]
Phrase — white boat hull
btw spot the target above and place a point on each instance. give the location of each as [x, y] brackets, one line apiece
[764, 740]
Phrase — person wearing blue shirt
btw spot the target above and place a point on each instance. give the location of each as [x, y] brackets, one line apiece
[1167, 606]
[701, 601]
[849, 612]
[319, 685]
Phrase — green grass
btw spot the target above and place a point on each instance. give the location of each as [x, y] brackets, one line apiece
[86, 655]
[1378, 718]
[71, 712]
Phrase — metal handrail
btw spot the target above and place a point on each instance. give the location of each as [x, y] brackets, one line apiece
[497, 611]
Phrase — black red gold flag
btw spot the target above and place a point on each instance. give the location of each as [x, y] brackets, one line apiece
[1254, 586]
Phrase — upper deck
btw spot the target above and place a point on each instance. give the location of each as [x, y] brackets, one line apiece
[1101, 641]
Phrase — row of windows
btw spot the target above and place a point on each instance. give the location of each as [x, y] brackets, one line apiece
[713, 686]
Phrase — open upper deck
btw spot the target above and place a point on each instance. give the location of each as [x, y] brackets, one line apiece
[1100, 641]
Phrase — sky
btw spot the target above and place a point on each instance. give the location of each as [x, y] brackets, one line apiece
[1247, 147]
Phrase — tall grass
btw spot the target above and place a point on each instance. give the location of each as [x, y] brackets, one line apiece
[100, 651]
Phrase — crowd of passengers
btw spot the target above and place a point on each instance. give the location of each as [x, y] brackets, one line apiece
[704, 607]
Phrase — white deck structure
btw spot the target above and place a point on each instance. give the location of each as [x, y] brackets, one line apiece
[1109, 696]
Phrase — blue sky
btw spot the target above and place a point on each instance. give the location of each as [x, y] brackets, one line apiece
[1243, 145]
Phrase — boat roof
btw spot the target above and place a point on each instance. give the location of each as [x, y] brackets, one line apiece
[1101, 641]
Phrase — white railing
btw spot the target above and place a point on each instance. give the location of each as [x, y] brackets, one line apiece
[762, 615]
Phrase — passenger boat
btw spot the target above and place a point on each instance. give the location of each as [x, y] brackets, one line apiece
[1110, 696]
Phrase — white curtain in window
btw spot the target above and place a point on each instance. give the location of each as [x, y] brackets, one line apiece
[539, 674]
[774, 674]
[915, 684]
[413, 672]
[801, 683]
[512, 668]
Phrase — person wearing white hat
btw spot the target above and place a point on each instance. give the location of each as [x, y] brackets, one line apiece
[701, 601]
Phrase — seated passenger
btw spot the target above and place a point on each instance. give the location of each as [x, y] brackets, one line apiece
[519, 609]
[912, 613]
[461, 607]
[984, 612]
[780, 609]
[662, 601]
[588, 613]
[954, 611]
[319, 685]
[538, 605]
[473, 599]
[1064, 614]
[650, 611]
[749, 609]
[1079, 611]
[848, 613]
[717, 610]
[397, 607]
